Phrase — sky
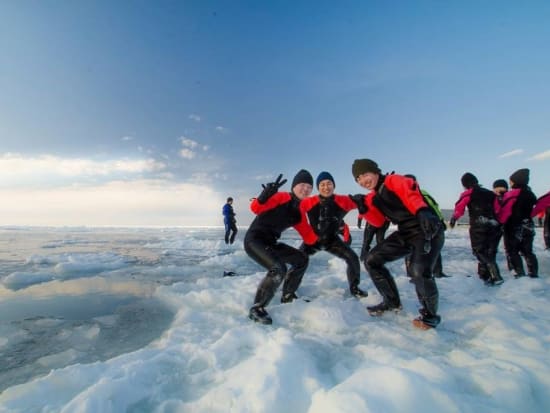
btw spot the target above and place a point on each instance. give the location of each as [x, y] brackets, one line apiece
[141, 320]
[138, 113]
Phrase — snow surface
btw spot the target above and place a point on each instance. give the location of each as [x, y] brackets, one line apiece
[142, 320]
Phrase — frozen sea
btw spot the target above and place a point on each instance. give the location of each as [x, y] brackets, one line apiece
[142, 320]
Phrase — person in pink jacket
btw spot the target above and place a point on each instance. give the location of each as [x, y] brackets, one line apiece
[514, 213]
[485, 231]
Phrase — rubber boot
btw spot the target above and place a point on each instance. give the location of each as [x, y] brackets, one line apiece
[494, 273]
[532, 265]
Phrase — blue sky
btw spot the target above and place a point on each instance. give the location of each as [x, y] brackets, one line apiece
[152, 113]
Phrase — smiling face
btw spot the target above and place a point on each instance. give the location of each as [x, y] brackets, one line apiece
[302, 190]
[368, 180]
[326, 188]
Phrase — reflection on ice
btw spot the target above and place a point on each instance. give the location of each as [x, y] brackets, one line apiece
[50, 332]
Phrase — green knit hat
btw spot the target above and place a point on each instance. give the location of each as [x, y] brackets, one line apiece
[362, 166]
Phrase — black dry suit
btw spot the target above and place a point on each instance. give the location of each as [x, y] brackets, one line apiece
[279, 212]
[519, 228]
[326, 217]
[485, 230]
[399, 199]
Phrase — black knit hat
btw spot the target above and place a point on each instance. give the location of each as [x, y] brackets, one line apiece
[362, 166]
[323, 176]
[520, 177]
[468, 180]
[302, 177]
[500, 183]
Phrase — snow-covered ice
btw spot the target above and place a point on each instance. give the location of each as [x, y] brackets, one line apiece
[142, 320]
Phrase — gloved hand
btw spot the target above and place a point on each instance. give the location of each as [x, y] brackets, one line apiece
[429, 222]
[270, 189]
[359, 222]
[452, 222]
[359, 200]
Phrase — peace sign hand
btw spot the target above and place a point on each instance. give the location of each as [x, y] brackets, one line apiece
[271, 189]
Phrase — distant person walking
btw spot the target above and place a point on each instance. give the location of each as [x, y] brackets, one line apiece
[519, 229]
[485, 231]
[229, 221]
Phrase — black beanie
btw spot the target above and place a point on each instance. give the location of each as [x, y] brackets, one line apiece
[468, 180]
[324, 175]
[362, 166]
[500, 183]
[302, 177]
[520, 177]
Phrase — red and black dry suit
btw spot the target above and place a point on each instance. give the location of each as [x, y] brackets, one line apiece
[326, 218]
[279, 212]
[398, 199]
[485, 230]
[514, 212]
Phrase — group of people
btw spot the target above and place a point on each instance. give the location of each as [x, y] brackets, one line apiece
[504, 213]
[419, 234]
[319, 220]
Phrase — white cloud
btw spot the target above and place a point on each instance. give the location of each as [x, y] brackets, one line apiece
[194, 117]
[541, 156]
[188, 143]
[189, 147]
[511, 153]
[117, 203]
[221, 129]
[14, 166]
[263, 178]
[127, 138]
[187, 153]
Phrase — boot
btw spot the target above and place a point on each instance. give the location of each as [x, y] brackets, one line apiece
[517, 264]
[259, 315]
[426, 320]
[288, 298]
[532, 265]
[357, 292]
[494, 275]
[379, 309]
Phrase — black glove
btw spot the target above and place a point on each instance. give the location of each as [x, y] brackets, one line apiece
[359, 221]
[359, 200]
[429, 222]
[270, 189]
[452, 222]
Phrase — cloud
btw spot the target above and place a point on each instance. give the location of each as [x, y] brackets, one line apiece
[189, 143]
[194, 117]
[511, 153]
[187, 153]
[16, 166]
[127, 138]
[221, 129]
[189, 146]
[541, 156]
[263, 177]
[117, 203]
